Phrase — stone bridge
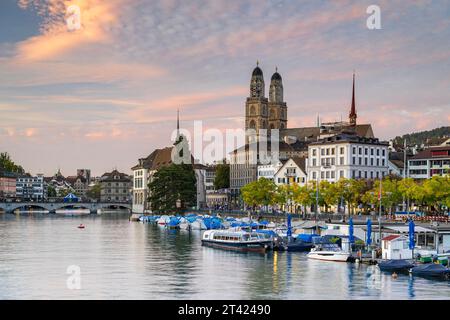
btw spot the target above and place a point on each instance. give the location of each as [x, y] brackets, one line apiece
[9, 207]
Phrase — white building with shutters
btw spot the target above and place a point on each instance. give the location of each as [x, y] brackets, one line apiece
[347, 156]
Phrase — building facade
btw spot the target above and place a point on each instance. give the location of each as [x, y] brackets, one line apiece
[347, 156]
[7, 185]
[271, 113]
[115, 187]
[261, 112]
[31, 188]
[268, 170]
[79, 184]
[292, 171]
[144, 171]
[430, 162]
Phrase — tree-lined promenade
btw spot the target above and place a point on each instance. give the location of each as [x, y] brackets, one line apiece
[430, 196]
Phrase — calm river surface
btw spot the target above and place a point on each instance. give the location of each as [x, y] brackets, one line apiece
[119, 259]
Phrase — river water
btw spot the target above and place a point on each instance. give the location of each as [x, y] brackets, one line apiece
[118, 259]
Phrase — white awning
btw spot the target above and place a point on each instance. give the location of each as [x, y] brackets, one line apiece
[405, 229]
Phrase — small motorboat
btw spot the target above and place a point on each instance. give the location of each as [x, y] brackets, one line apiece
[432, 270]
[81, 226]
[328, 252]
[395, 265]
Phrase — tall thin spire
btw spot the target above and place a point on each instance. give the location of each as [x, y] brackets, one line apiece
[352, 115]
[178, 122]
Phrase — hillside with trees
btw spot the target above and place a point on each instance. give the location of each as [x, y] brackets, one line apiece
[430, 137]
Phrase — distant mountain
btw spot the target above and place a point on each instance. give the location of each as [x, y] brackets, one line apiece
[426, 138]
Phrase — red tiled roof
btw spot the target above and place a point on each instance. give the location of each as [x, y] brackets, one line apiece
[426, 154]
[391, 237]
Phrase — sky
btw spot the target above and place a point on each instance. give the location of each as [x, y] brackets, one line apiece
[106, 94]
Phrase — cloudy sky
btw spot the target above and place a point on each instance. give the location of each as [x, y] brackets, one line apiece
[105, 95]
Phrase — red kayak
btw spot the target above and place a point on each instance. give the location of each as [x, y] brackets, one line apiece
[81, 226]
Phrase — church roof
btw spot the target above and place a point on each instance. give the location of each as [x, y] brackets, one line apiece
[300, 162]
[282, 147]
[312, 133]
[157, 159]
[257, 72]
[276, 76]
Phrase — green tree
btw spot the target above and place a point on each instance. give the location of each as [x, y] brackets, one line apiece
[351, 190]
[7, 165]
[51, 192]
[262, 192]
[407, 188]
[390, 195]
[94, 192]
[64, 192]
[329, 193]
[305, 196]
[436, 192]
[222, 180]
[172, 185]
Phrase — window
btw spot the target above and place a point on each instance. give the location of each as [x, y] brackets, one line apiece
[342, 150]
[314, 175]
[354, 150]
[314, 162]
[365, 161]
[359, 150]
[341, 160]
[383, 152]
[332, 174]
[366, 151]
[314, 152]
[353, 160]
[378, 152]
[332, 151]
[341, 174]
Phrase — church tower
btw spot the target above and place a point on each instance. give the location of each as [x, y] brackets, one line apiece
[256, 106]
[277, 107]
[352, 115]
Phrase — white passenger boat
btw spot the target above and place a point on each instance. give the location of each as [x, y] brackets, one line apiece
[328, 252]
[237, 240]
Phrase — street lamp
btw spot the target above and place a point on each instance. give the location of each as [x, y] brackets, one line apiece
[379, 214]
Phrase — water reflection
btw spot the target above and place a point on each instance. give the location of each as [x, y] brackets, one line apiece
[129, 260]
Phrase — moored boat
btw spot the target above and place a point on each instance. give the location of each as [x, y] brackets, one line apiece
[328, 252]
[237, 240]
[395, 265]
[432, 270]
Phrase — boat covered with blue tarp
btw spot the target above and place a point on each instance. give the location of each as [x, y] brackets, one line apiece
[431, 270]
[399, 265]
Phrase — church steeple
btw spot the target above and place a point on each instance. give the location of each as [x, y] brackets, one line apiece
[352, 115]
[178, 122]
[257, 83]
